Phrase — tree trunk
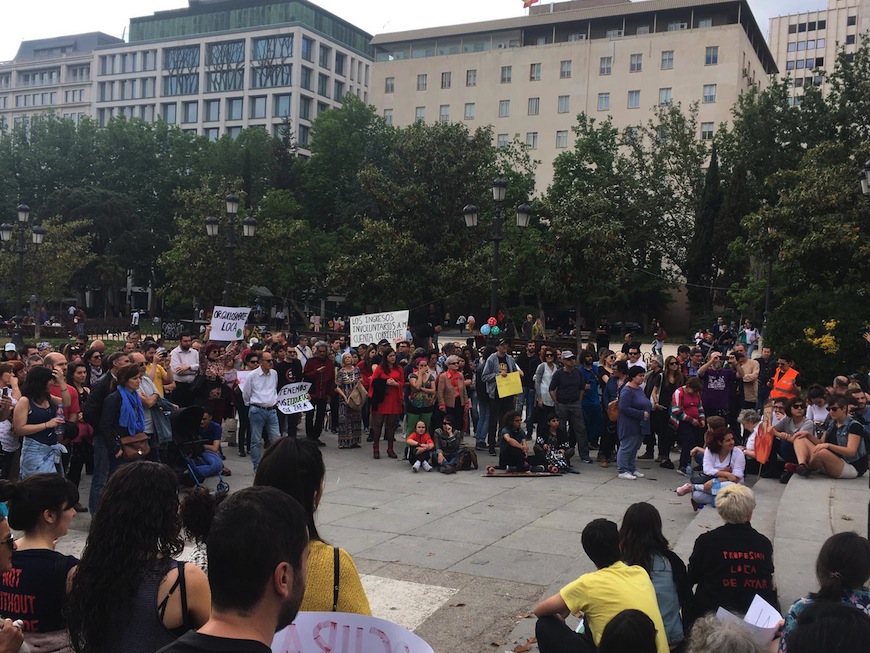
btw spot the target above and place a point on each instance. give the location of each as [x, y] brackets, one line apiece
[579, 335]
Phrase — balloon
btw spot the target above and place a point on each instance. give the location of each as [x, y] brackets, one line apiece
[484, 330]
[494, 331]
[492, 321]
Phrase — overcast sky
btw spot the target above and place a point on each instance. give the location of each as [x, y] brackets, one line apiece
[46, 18]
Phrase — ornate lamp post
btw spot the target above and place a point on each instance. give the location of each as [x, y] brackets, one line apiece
[524, 212]
[249, 229]
[38, 235]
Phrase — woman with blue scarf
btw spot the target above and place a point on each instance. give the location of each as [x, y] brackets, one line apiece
[123, 415]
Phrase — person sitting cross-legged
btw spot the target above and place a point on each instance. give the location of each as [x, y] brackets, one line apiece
[448, 444]
[421, 448]
[208, 462]
[600, 596]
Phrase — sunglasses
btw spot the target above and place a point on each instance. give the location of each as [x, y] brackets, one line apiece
[674, 364]
[254, 361]
[801, 406]
[831, 409]
[267, 360]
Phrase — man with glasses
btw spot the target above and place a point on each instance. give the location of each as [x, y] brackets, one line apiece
[320, 373]
[634, 357]
[261, 397]
[289, 371]
[694, 363]
[787, 382]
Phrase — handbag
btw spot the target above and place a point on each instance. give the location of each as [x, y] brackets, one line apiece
[133, 447]
[613, 406]
[357, 397]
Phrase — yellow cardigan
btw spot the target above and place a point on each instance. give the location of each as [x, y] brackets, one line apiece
[319, 586]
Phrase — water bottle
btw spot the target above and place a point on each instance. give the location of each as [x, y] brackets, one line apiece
[715, 489]
[59, 429]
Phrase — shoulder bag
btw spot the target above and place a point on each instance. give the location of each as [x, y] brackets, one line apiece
[132, 447]
[357, 397]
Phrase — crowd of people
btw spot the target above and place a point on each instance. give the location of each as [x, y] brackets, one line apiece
[107, 413]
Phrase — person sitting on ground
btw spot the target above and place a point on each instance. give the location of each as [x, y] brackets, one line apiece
[712, 571]
[513, 450]
[448, 444]
[197, 512]
[257, 581]
[600, 596]
[750, 420]
[295, 466]
[630, 630]
[722, 461]
[793, 428]
[42, 505]
[842, 569]
[209, 463]
[421, 448]
[642, 543]
[830, 626]
[129, 594]
[712, 635]
[552, 447]
[842, 453]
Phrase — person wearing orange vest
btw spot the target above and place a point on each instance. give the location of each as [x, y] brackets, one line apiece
[786, 383]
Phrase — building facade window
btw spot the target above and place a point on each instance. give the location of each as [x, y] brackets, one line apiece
[339, 63]
[636, 63]
[308, 49]
[258, 107]
[281, 105]
[419, 114]
[564, 104]
[501, 140]
[706, 131]
[305, 78]
[234, 108]
[561, 139]
[506, 74]
[269, 47]
[471, 77]
[388, 116]
[271, 76]
[168, 112]
[323, 84]
[532, 140]
[389, 85]
[634, 99]
[190, 112]
[709, 93]
[667, 59]
[504, 108]
[325, 56]
[565, 69]
[304, 107]
[604, 101]
[666, 96]
[422, 81]
[711, 55]
[535, 72]
[534, 106]
[446, 79]
[212, 110]
[469, 110]
[605, 67]
[444, 113]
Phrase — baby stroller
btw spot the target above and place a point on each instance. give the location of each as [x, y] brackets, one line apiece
[187, 445]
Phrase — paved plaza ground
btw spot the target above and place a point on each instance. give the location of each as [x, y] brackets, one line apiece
[462, 559]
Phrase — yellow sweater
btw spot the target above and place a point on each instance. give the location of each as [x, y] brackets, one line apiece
[319, 587]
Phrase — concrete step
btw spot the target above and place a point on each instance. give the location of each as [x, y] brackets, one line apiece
[811, 510]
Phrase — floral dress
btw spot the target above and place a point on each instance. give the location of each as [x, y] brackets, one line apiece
[349, 421]
[856, 599]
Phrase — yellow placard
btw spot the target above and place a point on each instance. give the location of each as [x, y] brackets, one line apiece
[509, 385]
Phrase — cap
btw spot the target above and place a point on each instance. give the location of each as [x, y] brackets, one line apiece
[566, 354]
[254, 341]
[10, 346]
[501, 341]
[382, 342]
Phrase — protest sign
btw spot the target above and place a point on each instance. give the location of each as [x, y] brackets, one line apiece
[228, 323]
[242, 378]
[374, 327]
[340, 632]
[509, 385]
[293, 398]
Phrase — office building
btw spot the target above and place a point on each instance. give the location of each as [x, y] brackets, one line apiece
[219, 66]
[50, 75]
[529, 77]
[805, 45]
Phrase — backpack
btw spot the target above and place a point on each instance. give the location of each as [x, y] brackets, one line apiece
[466, 459]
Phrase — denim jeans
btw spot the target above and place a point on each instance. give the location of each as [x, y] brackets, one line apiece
[482, 421]
[208, 465]
[593, 418]
[101, 473]
[573, 414]
[527, 399]
[261, 420]
[627, 454]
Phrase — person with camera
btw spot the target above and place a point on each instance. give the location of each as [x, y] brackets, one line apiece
[750, 369]
[158, 368]
[719, 384]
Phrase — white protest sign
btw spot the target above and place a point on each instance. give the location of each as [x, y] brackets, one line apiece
[340, 632]
[293, 398]
[374, 327]
[242, 378]
[228, 323]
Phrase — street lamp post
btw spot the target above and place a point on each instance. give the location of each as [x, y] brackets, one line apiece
[38, 235]
[249, 225]
[524, 212]
[864, 178]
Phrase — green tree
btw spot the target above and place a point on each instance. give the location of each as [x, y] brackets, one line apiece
[704, 253]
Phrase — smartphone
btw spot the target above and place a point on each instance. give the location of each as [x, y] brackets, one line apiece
[6, 391]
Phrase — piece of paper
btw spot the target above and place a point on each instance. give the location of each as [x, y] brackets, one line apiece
[340, 632]
[293, 398]
[509, 385]
[228, 323]
[374, 327]
[762, 620]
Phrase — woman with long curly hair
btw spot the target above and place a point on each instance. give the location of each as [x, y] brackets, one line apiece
[128, 592]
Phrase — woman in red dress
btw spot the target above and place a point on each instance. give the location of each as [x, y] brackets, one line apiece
[385, 399]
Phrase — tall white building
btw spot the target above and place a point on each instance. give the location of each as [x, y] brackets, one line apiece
[530, 76]
[219, 66]
[806, 44]
[50, 75]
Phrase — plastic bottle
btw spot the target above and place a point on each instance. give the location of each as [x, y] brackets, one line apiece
[717, 484]
[59, 429]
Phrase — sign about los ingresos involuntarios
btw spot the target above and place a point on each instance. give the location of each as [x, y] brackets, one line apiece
[374, 327]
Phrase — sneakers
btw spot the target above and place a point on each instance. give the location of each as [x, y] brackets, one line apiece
[637, 474]
[415, 467]
[587, 460]
[426, 466]
[538, 469]
[685, 489]
[790, 467]
[626, 476]
[667, 464]
[480, 446]
[492, 451]
[686, 471]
